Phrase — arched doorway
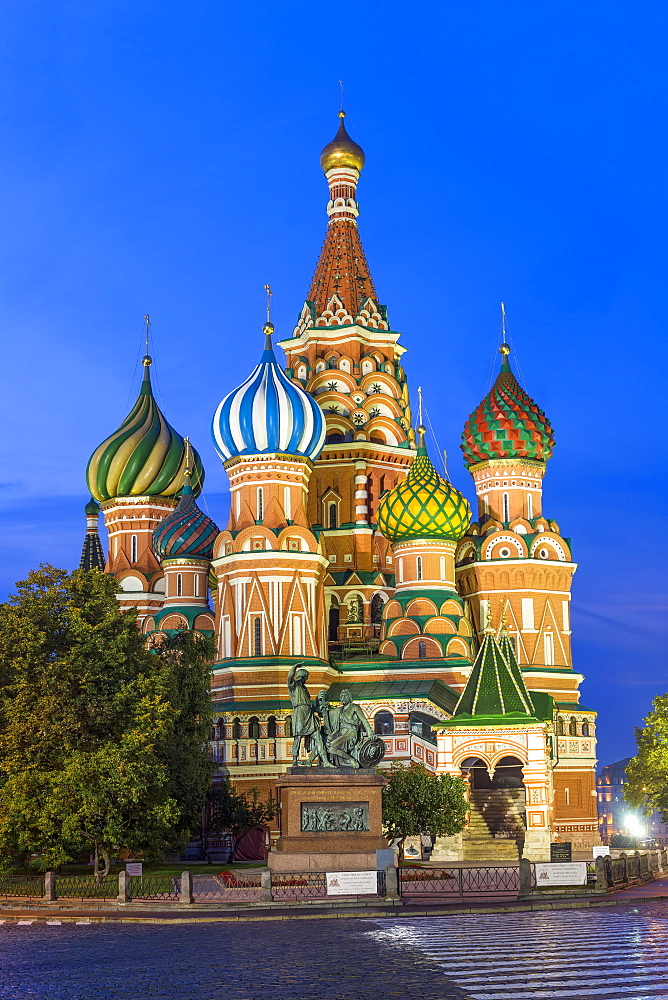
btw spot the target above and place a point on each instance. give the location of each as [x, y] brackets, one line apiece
[497, 825]
[333, 623]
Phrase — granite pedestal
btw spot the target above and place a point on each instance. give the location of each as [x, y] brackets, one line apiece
[330, 820]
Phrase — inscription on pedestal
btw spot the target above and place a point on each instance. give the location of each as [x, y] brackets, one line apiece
[334, 817]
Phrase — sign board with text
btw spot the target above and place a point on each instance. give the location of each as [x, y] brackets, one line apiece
[134, 868]
[351, 883]
[561, 852]
[550, 875]
[601, 851]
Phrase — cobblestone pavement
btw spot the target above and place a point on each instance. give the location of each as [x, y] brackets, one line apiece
[616, 953]
[287, 960]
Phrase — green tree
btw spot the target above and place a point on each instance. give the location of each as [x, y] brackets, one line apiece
[237, 811]
[416, 802]
[102, 742]
[646, 784]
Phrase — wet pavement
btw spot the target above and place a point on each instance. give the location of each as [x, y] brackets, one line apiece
[594, 954]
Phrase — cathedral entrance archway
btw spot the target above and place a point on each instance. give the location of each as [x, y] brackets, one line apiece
[497, 807]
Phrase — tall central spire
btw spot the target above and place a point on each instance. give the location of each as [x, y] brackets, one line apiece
[342, 292]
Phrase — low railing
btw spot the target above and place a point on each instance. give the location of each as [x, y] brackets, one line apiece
[486, 880]
[228, 886]
[86, 887]
[27, 886]
[161, 887]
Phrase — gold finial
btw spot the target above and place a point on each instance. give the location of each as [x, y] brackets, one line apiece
[504, 350]
[146, 360]
[268, 327]
[503, 623]
[489, 628]
[188, 469]
[420, 403]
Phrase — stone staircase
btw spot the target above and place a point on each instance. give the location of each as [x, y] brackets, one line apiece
[497, 824]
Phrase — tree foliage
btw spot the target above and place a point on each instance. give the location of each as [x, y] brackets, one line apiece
[102, 742]
[416, 802]
[647, 773]
[239, 811]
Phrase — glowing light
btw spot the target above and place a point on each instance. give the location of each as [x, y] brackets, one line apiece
[634, 827]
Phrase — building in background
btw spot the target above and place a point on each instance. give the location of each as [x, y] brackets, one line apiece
[348, 551]
[615, 817]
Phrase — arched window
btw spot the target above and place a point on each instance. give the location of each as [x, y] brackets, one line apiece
[548, 646]
[585, 729]
[376, 609]
[236, 730]
[485, 504]
[560, 726]
[333, 622]
[334, 438]
[506, 507]
[400, 570]
[287, 503]
[271, 726]
[237, 503]
[260, 503]
[418, 566]
[288, 726]
[572, 727]
[529, 506]
[196, 585]
[383, 723]
[441, 564]
[257, 637]
[133, 549]
[254, 728]
[422, 649]
[179, 584]
[331, 516]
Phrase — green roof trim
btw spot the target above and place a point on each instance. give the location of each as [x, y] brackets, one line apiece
[431, 690]
[510, 719]
[574, 706]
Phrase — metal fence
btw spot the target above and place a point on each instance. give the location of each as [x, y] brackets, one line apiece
[28, 886]
[163, 887]
[86, 887]
[487, 880]
[228, 887]
[312, 885]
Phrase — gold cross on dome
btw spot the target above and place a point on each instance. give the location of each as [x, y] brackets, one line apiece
[269, 292]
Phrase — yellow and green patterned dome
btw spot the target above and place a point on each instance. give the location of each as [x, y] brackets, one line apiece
[423, 505]
[144, 457]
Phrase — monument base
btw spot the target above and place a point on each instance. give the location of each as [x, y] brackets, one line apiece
[330, 820]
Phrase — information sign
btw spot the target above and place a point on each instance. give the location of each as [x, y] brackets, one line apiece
[134, 868]
[561, 852]
[601, 851]
[351, 883]
[551, 875]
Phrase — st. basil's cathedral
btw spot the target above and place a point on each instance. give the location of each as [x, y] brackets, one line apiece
[346, 550]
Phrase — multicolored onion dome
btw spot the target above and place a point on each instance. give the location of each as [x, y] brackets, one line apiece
[507, 423]
[144, 457]
[187, 531]
[423, 505]
[342, 151]
[268, 414]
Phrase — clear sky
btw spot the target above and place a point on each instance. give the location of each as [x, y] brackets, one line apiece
[159, 156]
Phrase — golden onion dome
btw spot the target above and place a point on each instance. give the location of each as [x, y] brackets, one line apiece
[423, 505]
[342, 151]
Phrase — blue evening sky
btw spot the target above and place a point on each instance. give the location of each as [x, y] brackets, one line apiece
[162, 157]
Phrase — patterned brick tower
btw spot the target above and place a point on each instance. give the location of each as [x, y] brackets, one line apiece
[344, 353]
[269, 568]
[137, 475]
[92, 555]
[514, 563]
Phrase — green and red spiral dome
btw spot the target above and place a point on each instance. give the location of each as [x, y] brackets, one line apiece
[507, 423]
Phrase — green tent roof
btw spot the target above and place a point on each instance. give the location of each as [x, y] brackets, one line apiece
[495, 689]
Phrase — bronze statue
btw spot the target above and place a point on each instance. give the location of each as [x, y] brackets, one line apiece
[304, 722]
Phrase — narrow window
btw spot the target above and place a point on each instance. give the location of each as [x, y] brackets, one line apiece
[332, 519]
[179, 584]
[572, 727]
[506, 507]
[296, 635]
[419, 567]
[271, 726]
[257, 637]
[585, 729]
[567, 796]
[383, 724]
[485, 504]
[237, 503]
[400, 568]
[565, 615]
[260, 503]
[133, 549]
[236, 730]
[287, 503]
[529, 506]
[196, 585]
[254, 728]
[442, 567]
[548, 644]
[560, 726]
[527, 614]
[422, 650]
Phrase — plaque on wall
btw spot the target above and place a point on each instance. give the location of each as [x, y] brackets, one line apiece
[561, 852]
[334, 817]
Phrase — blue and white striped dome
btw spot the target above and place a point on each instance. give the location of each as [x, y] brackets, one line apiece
[268, 414]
